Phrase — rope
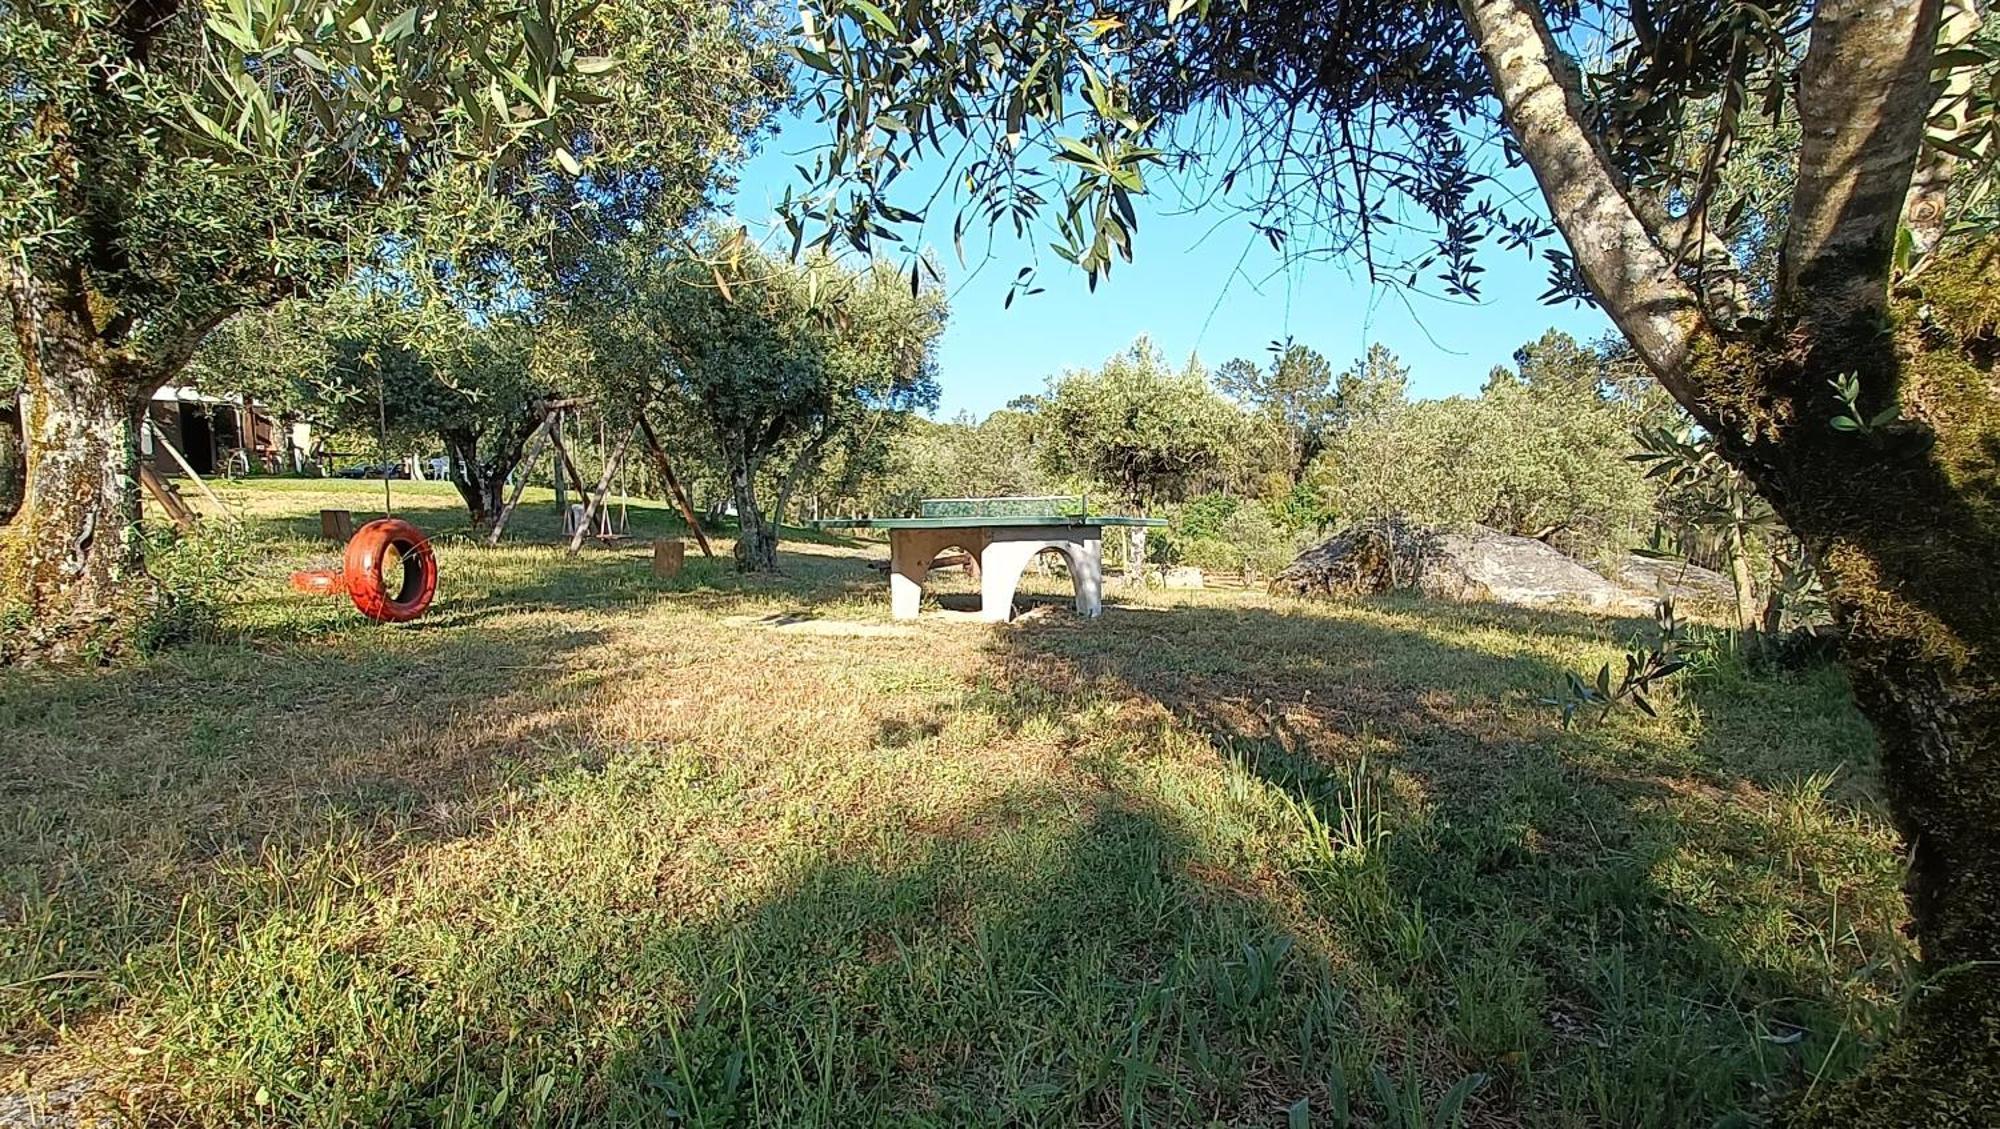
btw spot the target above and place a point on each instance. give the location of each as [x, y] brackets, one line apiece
[382, 440]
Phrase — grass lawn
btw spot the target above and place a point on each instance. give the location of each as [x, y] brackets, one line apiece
[582, 846]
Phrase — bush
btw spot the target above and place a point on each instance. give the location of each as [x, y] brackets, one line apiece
[196, 573]
[1546, 462]
[1218, 533]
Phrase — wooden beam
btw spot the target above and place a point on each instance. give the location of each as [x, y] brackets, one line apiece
[534, 448]
[679, 496]
[170, 499]
[595, 498]
[160, 441]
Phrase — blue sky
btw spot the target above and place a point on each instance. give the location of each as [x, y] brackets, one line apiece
[1201, 282]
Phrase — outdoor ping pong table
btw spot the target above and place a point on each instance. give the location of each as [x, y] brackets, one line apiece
[1002, 535]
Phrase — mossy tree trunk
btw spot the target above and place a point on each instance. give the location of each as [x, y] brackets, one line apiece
[72, 558]
[1904, 516]
[1906, 521]
[756, 541]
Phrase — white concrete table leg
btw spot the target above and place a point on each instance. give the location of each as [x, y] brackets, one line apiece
[1007, 555]
[1086, 570]
[1000, 565]
[907, 566]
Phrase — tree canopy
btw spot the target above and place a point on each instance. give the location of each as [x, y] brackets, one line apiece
[1146, 431]
[767, 363]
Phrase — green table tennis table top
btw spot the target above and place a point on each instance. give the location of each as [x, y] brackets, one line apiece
[975, 513]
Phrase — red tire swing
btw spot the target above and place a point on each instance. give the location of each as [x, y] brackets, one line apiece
[363, 567]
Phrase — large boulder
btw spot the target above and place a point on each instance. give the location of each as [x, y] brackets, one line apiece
[1469, 562]
[1691, 585]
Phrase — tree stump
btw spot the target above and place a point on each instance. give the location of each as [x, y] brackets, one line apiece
[336, 525]
[668, 556]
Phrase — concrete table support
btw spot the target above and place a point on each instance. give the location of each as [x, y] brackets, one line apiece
[1002, 535]
[1003, 553]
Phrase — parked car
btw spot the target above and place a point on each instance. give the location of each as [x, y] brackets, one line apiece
[373, 470]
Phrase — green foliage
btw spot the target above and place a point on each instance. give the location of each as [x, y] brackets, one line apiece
[202, 159]
[1370, 390]
[1055, 112]
[279, 356]
[956, 458]
[1293, 396]
[1143, 431]
[763, 362]
[1847, 386]
[185, 160]
[1646, 666]
[1702, 494]
[197, 573]
[1964, 125]
[1225, 534]
[1539, 453]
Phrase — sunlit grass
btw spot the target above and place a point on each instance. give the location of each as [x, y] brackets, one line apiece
[584, 846]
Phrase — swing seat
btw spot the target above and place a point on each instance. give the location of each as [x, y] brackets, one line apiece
[361, 575]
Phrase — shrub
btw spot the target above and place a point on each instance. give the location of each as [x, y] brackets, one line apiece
[196, 573]
[1545, 461]
[1219, 533]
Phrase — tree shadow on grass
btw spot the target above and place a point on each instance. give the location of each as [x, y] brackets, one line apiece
[125, 791]
[1636, 923]
[1197, 902]
[1193, 866]
[477, 586]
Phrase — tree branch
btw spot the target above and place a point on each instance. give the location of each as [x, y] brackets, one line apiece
[1864, 93]
[1691, 241]
[1614, 248]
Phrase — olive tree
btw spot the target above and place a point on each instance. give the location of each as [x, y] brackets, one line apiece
[1139, 428]
[1855, 390]
[165, 164]
[766, 361]
[1535, 458]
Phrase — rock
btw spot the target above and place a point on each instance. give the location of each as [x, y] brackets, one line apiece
[1468, 563]
[1182, 578]
[1689, 584]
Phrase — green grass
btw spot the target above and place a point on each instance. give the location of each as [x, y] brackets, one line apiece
[587, 847]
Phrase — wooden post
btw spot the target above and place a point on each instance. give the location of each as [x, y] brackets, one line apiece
[535, 439]
[336, 525]
[561, 464]
[160, 440]
[596, 498]
[170, 499]
[668, 557]
[680, 498]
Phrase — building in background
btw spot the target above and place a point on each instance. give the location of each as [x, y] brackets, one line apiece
[220, 435]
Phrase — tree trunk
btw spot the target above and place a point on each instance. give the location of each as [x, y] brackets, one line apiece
[805, 465]
[72, 558]
[474, 487]
[1938, 718]
[1910, 552]
[13, 457]
[1135, 554]
[1903, 516]
[756, 541]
